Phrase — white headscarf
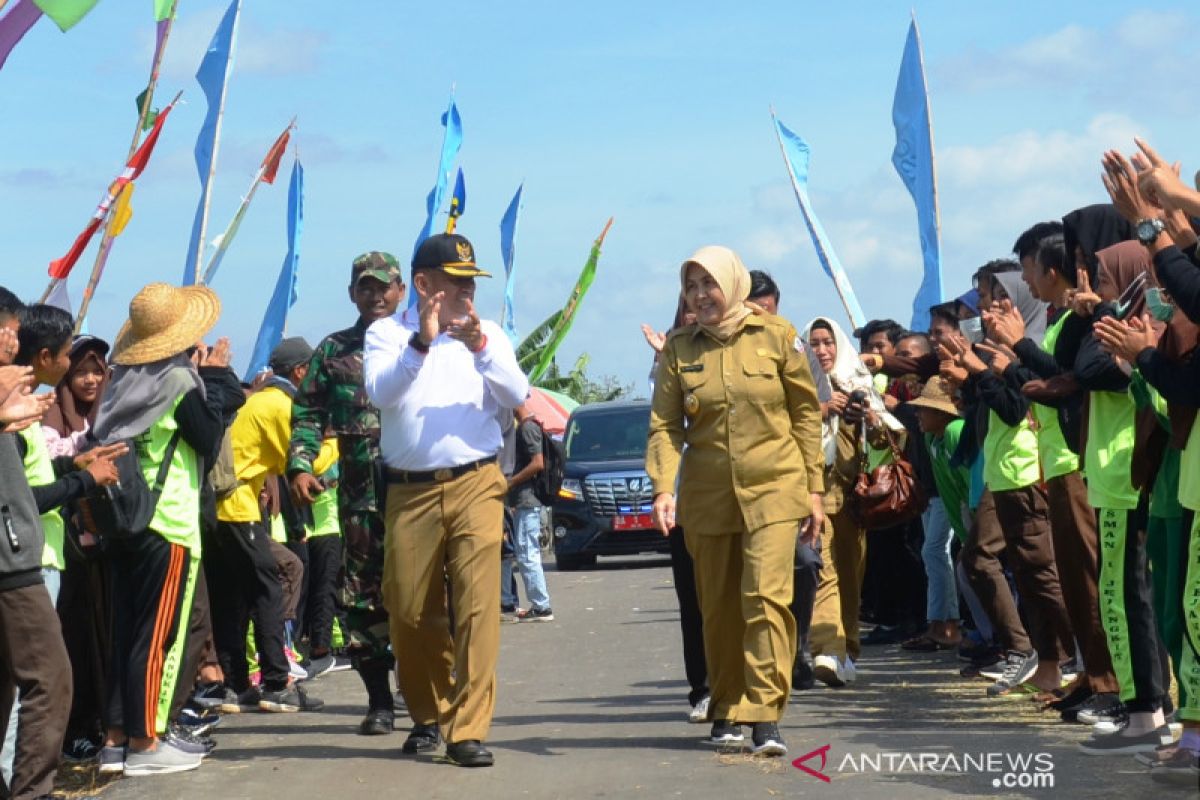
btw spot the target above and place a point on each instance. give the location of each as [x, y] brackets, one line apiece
[849, 374]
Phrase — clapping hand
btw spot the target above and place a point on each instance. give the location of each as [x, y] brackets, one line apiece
[1157, 180]
[1121, 182]
[19, 407]
[1125, 339]
[431, 315]
[219, 355]
[467, 329]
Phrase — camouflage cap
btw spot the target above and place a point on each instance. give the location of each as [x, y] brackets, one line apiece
[376, 264]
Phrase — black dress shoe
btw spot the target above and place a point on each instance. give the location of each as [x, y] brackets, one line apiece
[469, 753]
[422, 739]
[802, 673]
[377, 722]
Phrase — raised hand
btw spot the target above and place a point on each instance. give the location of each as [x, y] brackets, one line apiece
[1158, 180]
[467, 329]
[106, 452]
[1120, 181]
[1006, 325]
[220, 355]
[1001, 357]
[1084, 300]
[13, 378]
[21, 408]
[431, 315]
[655, 339]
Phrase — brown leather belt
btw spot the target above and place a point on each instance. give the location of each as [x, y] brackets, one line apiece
[436, 475]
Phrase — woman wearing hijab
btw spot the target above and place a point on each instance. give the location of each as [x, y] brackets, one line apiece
[172, 413]
[1171, 366]
[1013, 515]
[1126, 597]
[77, 398]
[736, 389]
[840, 377]
[1088, 230]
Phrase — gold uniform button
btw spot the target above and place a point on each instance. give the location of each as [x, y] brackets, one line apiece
[691, 404]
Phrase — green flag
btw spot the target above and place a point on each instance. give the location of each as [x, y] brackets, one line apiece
[562, 320]
[151, 114]
[162, 9]
[65, 13]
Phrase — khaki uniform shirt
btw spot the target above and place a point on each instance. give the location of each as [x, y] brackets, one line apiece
[747, 409]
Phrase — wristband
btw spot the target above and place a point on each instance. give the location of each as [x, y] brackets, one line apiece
[482, 344]
[415, 343]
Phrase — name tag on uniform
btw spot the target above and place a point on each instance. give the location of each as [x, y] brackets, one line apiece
[692, 368]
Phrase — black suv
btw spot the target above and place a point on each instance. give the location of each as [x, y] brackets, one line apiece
[604, 506]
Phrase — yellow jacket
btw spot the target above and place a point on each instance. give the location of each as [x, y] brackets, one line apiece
[260, 434]
[747, 409]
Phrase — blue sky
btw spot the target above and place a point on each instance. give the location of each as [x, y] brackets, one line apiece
[655, 114]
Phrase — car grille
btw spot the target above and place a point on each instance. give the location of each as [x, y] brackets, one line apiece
[612, 493]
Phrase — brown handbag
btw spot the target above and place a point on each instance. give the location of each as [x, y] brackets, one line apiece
[888, 495]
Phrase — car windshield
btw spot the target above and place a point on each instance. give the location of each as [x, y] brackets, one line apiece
[609, 435]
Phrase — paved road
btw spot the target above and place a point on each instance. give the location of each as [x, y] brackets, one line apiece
[593, 706]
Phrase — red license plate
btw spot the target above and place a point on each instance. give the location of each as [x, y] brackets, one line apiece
[632, 522]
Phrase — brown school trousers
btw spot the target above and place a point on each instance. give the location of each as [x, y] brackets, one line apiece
[1077, 553]
[438, 530]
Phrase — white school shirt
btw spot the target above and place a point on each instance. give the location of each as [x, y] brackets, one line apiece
[440, 409]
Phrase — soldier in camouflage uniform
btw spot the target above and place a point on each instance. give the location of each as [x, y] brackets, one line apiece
[332, 397]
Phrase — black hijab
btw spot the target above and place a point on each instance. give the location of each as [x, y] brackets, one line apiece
[1093, 228]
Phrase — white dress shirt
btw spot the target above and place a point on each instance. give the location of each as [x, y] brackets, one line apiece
[439, 409]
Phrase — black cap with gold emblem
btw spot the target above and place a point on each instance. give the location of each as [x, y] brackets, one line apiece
[450, 253]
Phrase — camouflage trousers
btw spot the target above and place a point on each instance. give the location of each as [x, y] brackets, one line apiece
[361, 590]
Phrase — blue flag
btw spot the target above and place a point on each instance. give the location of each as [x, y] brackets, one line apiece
[508, 245]
[287, 288]
[460, 193]
[913, 159]
[451, 143]
[212, 77]
[795, 155]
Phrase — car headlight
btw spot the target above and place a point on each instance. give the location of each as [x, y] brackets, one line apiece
[571, 489]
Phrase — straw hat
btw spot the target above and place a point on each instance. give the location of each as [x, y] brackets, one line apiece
[165, 320]
[935, 396]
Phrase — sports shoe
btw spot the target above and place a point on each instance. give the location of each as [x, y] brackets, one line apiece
[214, 695]
[422, 739]
[341, 664]
[239, 703]
[319, 666]
[112, 760]
[295, 671]
[198, 723]
[1018, 667]
[80, 751]
[725, 734]
[289, 700]
[1123, 743]
[829, 671]
[1104, 706]
[699, 712]
[538, 615]
[162, 760]
[511, 613]
[766, 740]
[849, 670]
[179, 737]
[377, 722]
[1181, 769]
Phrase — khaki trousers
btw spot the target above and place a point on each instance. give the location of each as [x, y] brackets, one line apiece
[437, 531]
[744, 584]
[835, 629]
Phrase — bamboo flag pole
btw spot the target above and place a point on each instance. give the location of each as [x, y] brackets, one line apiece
[212, 166]
[143, 115]
[272, 156]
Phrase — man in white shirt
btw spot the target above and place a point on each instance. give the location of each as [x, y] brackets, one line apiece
[440, 376]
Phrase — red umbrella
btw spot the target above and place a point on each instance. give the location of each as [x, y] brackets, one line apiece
[551, 409]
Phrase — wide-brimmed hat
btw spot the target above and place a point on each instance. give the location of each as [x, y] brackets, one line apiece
[165, 320]
[935, 396]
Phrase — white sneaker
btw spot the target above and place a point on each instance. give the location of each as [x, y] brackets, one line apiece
[699, 713]
[163, 760]
[829, 671]
[849, 670]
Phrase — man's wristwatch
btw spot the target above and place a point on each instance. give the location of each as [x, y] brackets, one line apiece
[415, 343]
[1149, 229]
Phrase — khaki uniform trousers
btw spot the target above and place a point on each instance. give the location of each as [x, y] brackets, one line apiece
[835, 625]
[744, 585]
[437, 531]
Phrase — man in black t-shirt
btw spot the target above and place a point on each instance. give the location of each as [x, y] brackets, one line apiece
[528, 462]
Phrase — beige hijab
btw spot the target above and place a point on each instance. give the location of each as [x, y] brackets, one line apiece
[734, 279]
